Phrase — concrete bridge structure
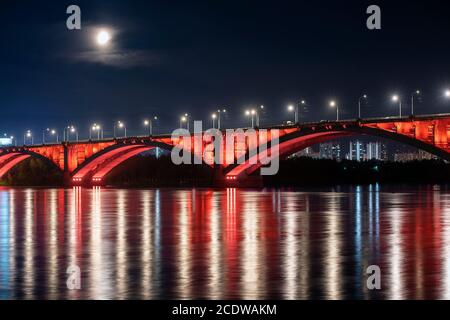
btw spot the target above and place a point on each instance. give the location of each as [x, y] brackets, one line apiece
[89, 162]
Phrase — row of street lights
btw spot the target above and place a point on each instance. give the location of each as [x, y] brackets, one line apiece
[214, 116]
[395, 98]
[253, 114]
[217, 116]
[71, 131]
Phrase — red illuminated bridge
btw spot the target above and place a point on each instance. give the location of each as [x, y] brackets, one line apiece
[89, 162]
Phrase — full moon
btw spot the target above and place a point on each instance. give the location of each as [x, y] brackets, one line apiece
[103, 38]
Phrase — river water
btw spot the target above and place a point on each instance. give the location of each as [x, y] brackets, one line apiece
[225, 243]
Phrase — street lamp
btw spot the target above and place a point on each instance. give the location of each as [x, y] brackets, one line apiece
[447, 93]
[219, 118]
[291, 108]
[303, 103]
[213, 117]
[295, 109]
[333, 104]
[96, 128]
[68, 130]
[414, 94]
[252, 113]
[184, 118]
[43, 134]
[247, 113]
[149, 124]
[363, 97]
[396, 98]
[261, 108]
[53, 132]
[120, 125]
[28, 135]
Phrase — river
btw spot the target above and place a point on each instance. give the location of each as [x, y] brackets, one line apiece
[225, 243]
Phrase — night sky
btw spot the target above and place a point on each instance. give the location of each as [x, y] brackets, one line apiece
[171, 57]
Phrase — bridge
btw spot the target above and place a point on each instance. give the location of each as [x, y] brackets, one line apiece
[88, 162]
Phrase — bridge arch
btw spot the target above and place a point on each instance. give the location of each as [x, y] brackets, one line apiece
[94, 169]
[9, 158]
[304, 138]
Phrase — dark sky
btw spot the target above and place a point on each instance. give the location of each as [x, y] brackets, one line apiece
[171, 57]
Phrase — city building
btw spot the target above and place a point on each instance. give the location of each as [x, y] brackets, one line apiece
[413, 156]
[4, 141]
[330, 150]
[307, 152]
[357, 151]
[376, 151]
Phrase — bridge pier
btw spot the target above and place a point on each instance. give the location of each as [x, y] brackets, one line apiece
[67, 179]
[243, 181]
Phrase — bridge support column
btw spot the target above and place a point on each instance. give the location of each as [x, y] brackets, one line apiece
[67, 179]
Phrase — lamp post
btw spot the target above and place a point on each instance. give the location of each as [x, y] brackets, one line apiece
[120, 125]
[363, 97]
[68, 130]
[254, 114]
[149, 124]
[261, 110]
[43, 134]
[296, 110]
[291, 108]
[251, 113]
[53, 132]
[447, 93]
[213, 117]
[333, 104]
[219, 112]
[397, 98]
[414, 94]
[184, 118]
[96, 128]
[28, 135]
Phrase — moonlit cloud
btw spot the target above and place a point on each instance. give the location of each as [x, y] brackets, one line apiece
[120, 58]
[109, 50]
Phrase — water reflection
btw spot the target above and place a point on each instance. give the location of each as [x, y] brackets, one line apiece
[333, 254]
[28, 245]
[224, 244]
[5, 258]
[147, 248]
[395, 253]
